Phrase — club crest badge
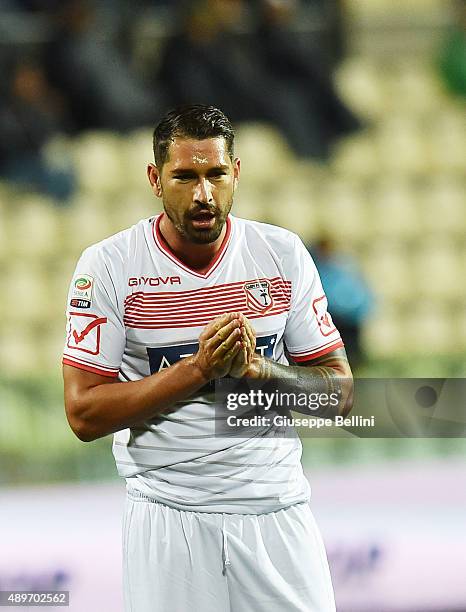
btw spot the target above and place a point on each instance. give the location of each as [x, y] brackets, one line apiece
[258, 295]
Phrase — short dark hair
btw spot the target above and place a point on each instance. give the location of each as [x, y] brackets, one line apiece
[196, 121]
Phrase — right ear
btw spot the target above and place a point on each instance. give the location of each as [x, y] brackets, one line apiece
[153, 174]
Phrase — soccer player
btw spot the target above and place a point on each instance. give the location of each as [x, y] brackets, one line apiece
[156, 313]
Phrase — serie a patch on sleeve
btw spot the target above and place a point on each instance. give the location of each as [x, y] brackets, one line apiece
[81, 292]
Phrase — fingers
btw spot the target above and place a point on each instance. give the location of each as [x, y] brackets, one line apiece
[245, 356]
[239, 362]
[224, 357]
[225, 346]
[231, 354]
[217, 324]
[227, 334]
[250, 332]
[224, 332]
[248, 338]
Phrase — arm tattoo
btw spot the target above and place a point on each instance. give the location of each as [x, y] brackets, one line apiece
[328, 375]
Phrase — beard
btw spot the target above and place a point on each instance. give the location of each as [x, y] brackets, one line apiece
[185, 226]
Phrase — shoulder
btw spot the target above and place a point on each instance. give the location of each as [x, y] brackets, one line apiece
[283, 246]
[278, 238]
[118, 247]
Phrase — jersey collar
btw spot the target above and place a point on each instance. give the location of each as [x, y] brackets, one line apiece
[165, 249]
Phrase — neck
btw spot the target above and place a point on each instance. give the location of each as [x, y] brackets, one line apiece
[196, 256]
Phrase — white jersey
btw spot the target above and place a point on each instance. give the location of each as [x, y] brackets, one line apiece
[134, 308]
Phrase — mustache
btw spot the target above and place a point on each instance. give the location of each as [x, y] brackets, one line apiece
[213, 210]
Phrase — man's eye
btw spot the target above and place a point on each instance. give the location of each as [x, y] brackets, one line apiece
[184, 177]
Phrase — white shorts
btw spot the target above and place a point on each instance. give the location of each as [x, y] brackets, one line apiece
[180, 561]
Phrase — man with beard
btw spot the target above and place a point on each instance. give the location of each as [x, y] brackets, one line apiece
[157, 313]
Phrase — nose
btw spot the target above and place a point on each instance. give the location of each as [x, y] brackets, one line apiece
[203, 191]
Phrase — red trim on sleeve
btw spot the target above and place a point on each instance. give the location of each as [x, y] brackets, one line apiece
[95, 370]
[324, 351]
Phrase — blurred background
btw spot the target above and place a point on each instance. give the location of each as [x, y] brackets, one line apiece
[351, 130]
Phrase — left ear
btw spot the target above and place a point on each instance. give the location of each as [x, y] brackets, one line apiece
[236, 172]
[153, 174]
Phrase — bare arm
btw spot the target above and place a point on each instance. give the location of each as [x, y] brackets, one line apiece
[98, 405]
[327, 374]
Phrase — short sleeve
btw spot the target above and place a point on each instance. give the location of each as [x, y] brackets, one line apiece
[95, 333]
[310, 331]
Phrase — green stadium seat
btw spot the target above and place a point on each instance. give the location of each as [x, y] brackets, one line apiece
[384, 334]
[33, 228]
[136, 152]
[98, 161]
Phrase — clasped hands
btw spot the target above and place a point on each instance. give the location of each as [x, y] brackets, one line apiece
[226, 347]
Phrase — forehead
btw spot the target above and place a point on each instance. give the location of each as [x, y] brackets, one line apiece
[187, 152]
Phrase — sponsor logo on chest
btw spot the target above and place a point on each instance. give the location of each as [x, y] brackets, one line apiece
[164, 356]
[153, 281]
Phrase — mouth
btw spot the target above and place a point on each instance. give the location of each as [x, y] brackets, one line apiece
[203, 220]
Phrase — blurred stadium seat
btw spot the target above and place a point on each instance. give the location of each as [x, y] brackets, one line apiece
[344, 212]
[388, 271]
[252, 203]
[384, 333]
[136, 153]
[443, 207]
[400, 146]
[99, 162]
[87, 221]
[33, 228]
[438, 272]
[361, 83]
[356, 157]
[429, 329]
[265, 154]
[394, 210]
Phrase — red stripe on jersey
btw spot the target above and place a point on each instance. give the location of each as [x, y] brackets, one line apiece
[191, 319]
[317, 348]
[95, 370]
[142, 323]
[172, 304]
[162, 300]
[90, 363]
[177, 310]
[165, 249]
[314, 355]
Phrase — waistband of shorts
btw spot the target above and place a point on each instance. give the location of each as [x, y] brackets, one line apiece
[137, 496]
